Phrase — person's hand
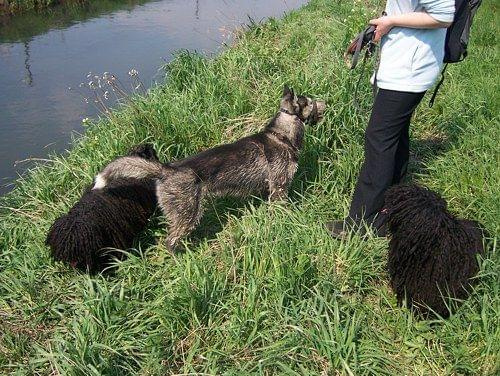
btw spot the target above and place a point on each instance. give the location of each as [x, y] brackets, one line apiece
[383, 26]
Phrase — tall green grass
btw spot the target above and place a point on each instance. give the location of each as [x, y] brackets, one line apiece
[261, 288]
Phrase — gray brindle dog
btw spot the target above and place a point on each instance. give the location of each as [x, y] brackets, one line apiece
[260, 163]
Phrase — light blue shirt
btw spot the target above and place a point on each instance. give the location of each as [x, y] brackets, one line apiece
[411, 59]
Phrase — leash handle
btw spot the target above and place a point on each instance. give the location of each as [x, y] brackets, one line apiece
[362, 39]
[357, 51]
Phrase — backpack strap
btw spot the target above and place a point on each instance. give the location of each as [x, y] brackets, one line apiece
[433, 98]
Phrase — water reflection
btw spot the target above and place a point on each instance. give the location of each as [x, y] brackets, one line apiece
[28, 78]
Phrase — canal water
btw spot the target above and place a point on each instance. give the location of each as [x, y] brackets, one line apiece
[44, 54]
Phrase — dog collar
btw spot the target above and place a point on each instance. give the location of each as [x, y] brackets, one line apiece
[285, 111]
[312, 116]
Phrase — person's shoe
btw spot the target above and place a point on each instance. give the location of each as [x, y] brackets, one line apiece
[340, 229]
[336, 229]
[381, 231]
[379, 224]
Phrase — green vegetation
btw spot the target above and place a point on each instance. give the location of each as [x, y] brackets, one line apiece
[19, 6]
[24, 26]
[261, 288]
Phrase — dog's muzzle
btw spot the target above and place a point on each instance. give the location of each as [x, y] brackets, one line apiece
[316, 113]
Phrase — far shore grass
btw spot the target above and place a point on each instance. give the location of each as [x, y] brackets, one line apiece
[23, 26]
[11, 7]
[261, 288]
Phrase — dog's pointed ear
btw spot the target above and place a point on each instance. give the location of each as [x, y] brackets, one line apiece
[287, 93]
[288, 100]
[145, 151]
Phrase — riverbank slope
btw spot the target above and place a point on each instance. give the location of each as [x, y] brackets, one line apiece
[261, 288]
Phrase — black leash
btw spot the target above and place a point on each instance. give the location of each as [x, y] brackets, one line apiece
[431, 102]
[363, 40]
[358, 83]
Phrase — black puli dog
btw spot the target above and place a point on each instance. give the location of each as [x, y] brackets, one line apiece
[432, 254]
[104, 220]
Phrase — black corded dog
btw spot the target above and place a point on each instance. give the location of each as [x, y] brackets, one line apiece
[431, 252]
[104, 219]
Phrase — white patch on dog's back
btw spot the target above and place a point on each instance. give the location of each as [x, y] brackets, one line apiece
[100, 182]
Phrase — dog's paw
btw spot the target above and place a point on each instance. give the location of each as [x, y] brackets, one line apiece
[171, 245]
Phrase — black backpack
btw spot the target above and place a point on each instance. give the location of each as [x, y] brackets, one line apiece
[457, 36]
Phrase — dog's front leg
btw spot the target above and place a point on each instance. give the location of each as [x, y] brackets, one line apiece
[278, 194]
[278, 190]
[280, 177]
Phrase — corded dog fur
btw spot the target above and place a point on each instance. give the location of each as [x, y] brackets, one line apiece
[263, 162]
[104, 219]
[431, 252]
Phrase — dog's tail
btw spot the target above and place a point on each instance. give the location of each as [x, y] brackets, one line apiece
[130, 167]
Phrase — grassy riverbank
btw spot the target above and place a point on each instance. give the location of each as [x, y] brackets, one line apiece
[261, 288]
[21, 6]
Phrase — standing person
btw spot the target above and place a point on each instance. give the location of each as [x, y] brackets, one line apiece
[412, 49]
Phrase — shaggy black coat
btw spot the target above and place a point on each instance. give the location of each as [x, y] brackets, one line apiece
[431, 252]
[104, 220]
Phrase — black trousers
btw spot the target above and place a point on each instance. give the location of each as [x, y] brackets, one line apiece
[387, 151]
